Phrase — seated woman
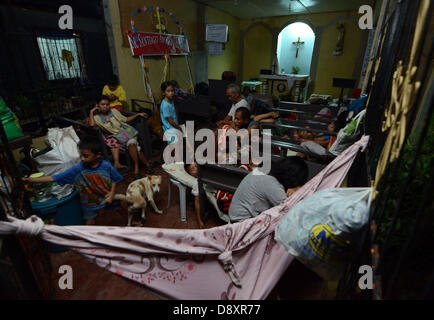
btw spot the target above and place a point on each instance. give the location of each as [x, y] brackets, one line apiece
[120, 135]
[258, 191]
[116, 93]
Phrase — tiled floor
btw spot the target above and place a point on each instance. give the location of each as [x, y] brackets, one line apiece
[93, 282]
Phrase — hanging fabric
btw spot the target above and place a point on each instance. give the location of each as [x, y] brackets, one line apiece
[235, 261]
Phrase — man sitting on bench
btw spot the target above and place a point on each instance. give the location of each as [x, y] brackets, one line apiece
[234, 95]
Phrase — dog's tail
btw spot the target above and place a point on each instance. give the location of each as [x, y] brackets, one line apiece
[121, 197]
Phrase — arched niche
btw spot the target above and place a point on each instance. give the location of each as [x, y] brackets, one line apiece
[295, 47]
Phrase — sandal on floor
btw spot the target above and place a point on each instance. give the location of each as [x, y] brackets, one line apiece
[137, 176]
[149, 170]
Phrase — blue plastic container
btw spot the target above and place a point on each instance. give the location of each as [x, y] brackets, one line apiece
[64, 212]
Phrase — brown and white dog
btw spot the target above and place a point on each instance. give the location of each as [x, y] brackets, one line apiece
[140, 192]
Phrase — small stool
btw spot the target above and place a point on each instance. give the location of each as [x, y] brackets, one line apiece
[182, 197]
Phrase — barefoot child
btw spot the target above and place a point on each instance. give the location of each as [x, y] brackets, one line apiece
[95, 178]
[119, 134]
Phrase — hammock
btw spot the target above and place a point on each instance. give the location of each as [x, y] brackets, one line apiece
[234, 261]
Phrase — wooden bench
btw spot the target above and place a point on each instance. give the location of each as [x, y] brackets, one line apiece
[291, 127]
[192, 107]
[305, 124]
[140, 124]
[311, 108]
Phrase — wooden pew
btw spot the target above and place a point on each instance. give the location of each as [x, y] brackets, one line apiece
[225, 177]
[291, 144]
[291, 127]
[194, 107]
[306, 116]
[304, 124]
[312, 108]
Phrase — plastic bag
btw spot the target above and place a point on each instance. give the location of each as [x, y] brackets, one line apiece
[65, 153]
[344, 140]
[324, 230]
[62, 191]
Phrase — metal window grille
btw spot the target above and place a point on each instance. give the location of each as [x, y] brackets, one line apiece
[59, 56]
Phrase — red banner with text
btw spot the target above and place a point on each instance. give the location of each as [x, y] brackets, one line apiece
[155, 44]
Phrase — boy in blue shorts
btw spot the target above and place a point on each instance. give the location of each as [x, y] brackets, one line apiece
[95, 179]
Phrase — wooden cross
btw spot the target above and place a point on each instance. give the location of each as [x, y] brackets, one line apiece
[160, 26]
[298, 46]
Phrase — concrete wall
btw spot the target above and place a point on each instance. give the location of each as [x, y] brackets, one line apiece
[228, 61]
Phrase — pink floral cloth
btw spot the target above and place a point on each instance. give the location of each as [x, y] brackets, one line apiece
[234, 261]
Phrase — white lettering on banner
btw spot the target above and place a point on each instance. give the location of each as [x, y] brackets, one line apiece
[145, 43]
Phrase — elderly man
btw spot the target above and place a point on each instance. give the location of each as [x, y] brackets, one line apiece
[234, 95]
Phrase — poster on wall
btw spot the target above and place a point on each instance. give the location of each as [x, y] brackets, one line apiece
[217, 33]
[156, 44]
[216, 49]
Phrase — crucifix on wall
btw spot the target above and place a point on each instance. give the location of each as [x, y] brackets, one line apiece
[298, 43]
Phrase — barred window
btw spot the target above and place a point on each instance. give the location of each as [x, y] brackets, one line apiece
[60, 57]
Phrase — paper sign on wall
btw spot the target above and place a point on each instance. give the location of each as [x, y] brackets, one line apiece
[217, 32]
